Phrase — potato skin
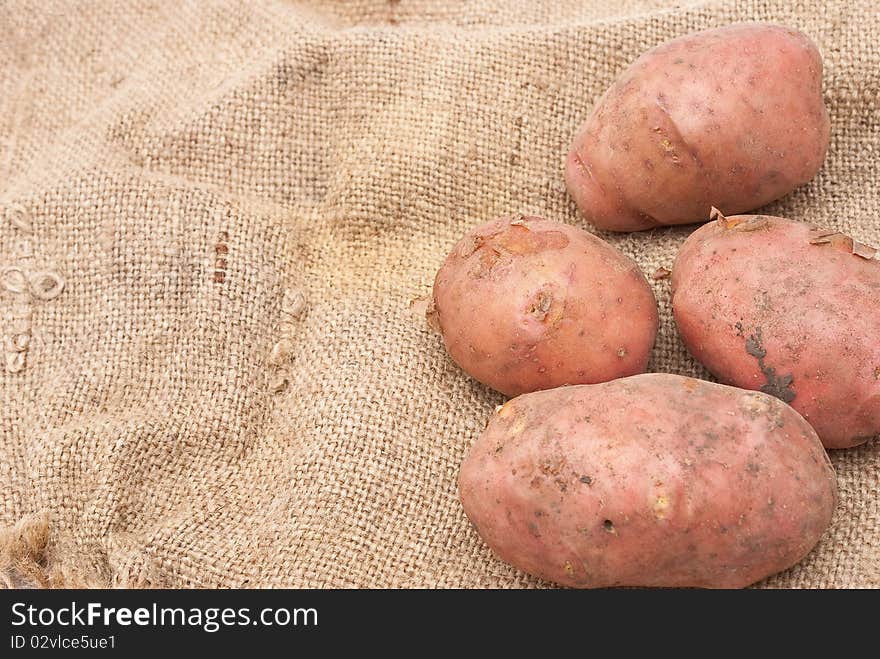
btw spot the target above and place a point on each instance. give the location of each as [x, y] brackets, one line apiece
[651, 480]
[763, 308]
[731, 117]
[526, 303]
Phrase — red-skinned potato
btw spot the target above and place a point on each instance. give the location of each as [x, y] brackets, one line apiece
[772, 304]
[526, 303]
[651, 480]
[731, 117]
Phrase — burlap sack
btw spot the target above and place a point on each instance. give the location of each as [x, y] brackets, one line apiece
[214, 218]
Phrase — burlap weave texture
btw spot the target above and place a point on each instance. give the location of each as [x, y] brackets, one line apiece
[214, 217]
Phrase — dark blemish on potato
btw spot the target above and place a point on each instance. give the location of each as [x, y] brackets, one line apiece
[708, 443]
[535, 482]
[539, 513]
[753, 467]
[739, 328]
[554, 470]
[513, 472]
[777, 385]
[533, 530]
[608, 525]
[621, 352]
[877, 373]
[649, 164]
[586, 480]
[753, 346]
[756, 545]
[499, 449]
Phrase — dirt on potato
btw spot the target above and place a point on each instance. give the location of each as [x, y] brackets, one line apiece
[651, 480]
[775, 305]
[524, 303]
[731, 117]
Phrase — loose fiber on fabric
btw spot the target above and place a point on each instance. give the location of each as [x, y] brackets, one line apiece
[214, 220]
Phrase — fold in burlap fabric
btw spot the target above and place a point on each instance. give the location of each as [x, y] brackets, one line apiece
[214, 218]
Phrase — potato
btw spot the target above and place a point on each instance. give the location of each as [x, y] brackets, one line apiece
[652, 480]
[525, 303]
[769, 303]
[731, 117]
